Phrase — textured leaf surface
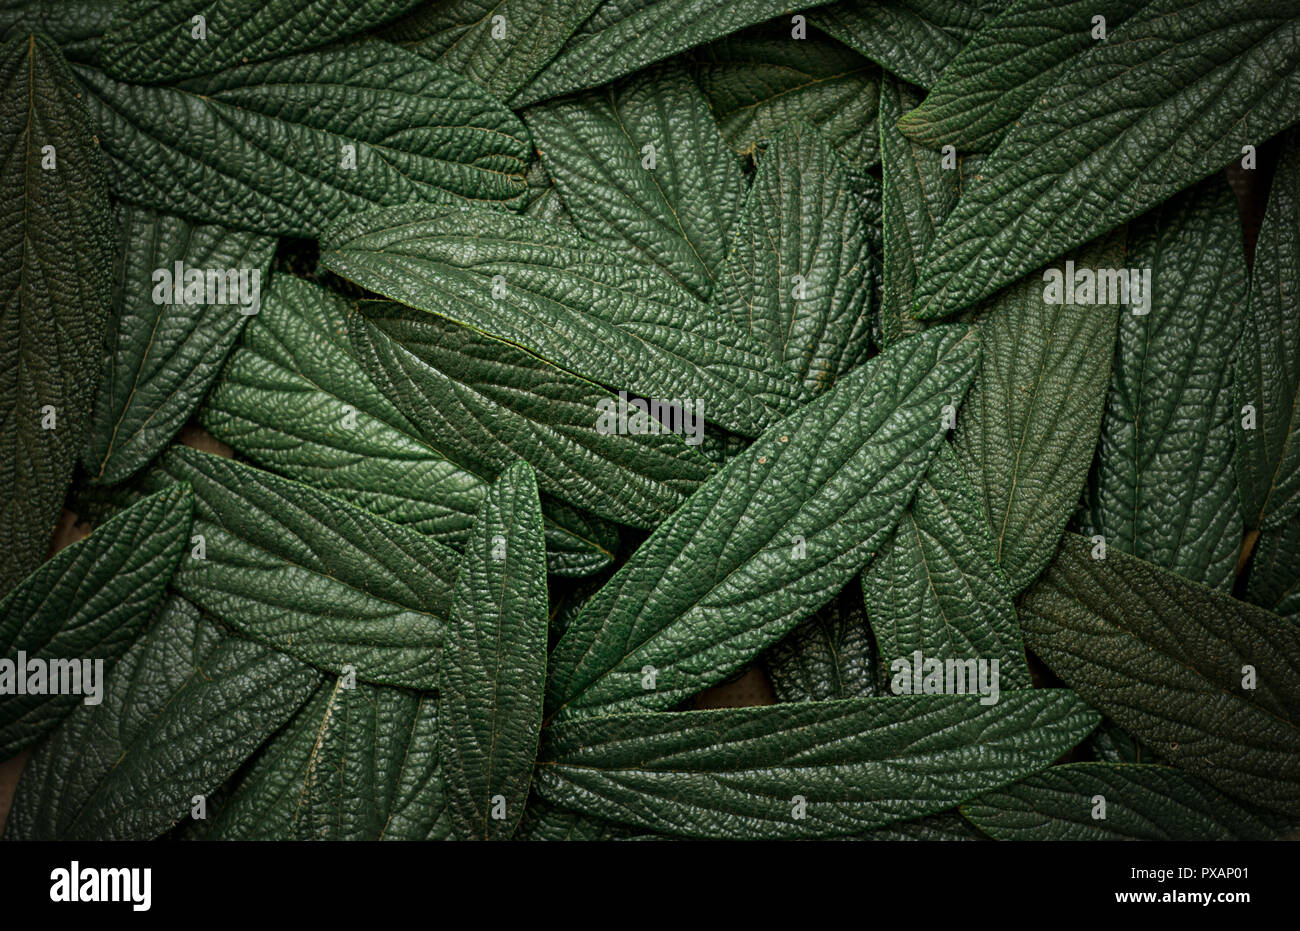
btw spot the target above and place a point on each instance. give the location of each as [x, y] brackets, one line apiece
[1030, 428]
[499, 44]
[88, 603]
[1163, 486]
[263, 146]
[575, 305]
[1007, 65]
[1164, 658]
[1170, 98]
[56, 262]
[677, 215]
[917, 195]
[759, 81]
[355, 763]
[153, 41]
[1274, 581]
[935, 587]
[768, 539]
[1143, 802]
[162, 357]
[311, 575]
[1268, 358]
[623, 36]
[914, 39]
[184, 707]
[76, 26]
[830, 655]
[858, 764]
[449, 380]
[798, 276]
[493, 675]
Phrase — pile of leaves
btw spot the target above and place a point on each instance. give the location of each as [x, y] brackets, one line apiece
[399, 260]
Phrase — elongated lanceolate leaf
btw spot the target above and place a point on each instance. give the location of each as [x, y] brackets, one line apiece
[1030, 428]
[829, 655]
[1169, 98]
[357, 762]
[184, 707]
[165, 353]
[644, 172]
[1115, 801]
[770, 538]
[1163, 486]
[798, 276]
[575, 305]
[1267, 366]
[807, 769]
[313, 576]
[1210, 683]
[56, 262]
[285, 146]
[493, 676]
[77, 613]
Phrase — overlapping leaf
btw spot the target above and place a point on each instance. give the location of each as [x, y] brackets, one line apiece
[1274, 581]
[829, 655]
[493, 673]
[643, 171]
[798, 275]
[76, 26]
[309, 574]
[1170, 98]
[285, 146]
[575, 305]
[163, 356]
[56, 262]
[1210, 683]
[85, 605]
[185, 706]
[770, 538]
[805, 769]
[1163, 486]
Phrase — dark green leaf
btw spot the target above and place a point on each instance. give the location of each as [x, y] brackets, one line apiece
[1274, 581]
[830, 655]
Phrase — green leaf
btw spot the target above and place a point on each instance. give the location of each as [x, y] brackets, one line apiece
[546, 822]
[284, 401]
[493, 675]
[1173, 663]
[155, 41]
[914, 39]
[1268, 359]
[917, 195]
[798, 276]
[759, 81]
[56, 260]
[856, 764]
[485, 403]
[355, 763]
[1142, 802]
[1012, 61]
[498, 44]
[1274, 581]
[767, 540]
[264, 146]
[829, 655]
[164, 356]
[580, 307]
[1163, 486]
[85, 604]
[623, 36]
[945, 826]
[935, 587]
[1170, 98]
[1030, 428]
[184, 707]
[313, 576]
[678, 214]
[76, 26]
